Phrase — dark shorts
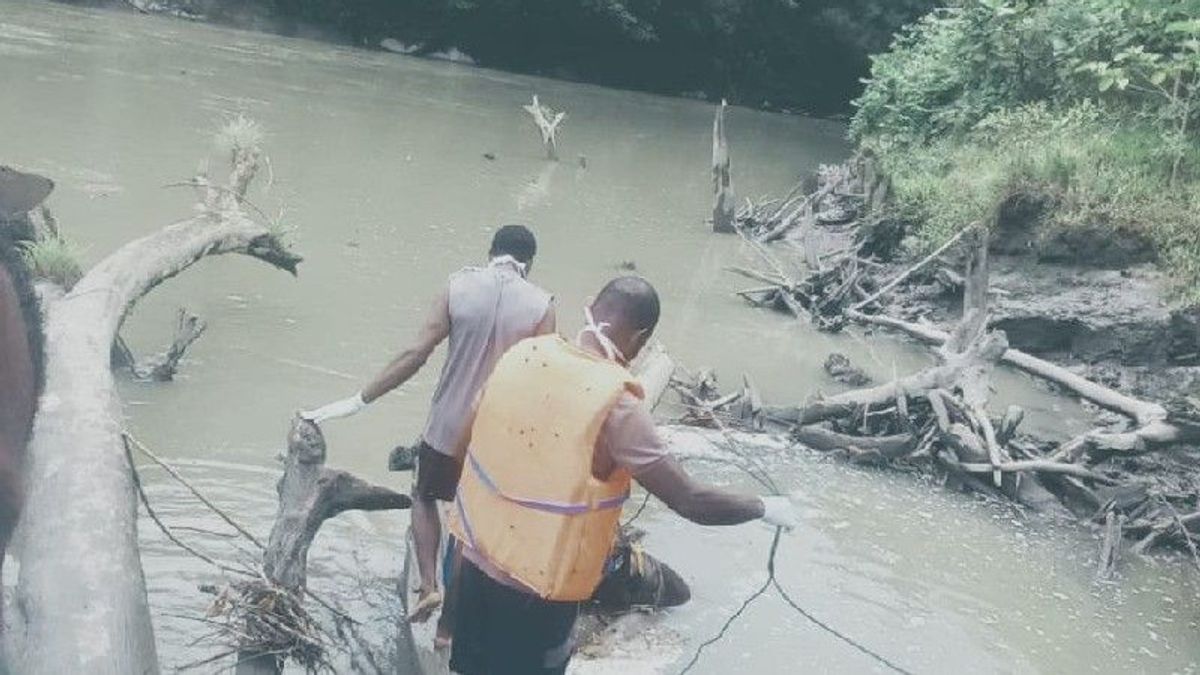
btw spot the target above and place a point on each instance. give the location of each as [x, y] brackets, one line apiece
[499, 630]
[437, 474]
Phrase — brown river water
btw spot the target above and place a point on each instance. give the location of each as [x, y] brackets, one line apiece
[377, 163]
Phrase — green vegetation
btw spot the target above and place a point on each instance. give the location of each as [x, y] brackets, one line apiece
[54, 259]
[1074, 117]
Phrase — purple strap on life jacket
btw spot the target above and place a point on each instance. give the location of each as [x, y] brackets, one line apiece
[561, 508]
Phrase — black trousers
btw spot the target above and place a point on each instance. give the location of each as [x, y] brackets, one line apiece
[499, 630]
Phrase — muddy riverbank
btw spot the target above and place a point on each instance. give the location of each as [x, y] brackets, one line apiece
[1080, 331]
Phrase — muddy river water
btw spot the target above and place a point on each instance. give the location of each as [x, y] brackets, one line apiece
[377, 162]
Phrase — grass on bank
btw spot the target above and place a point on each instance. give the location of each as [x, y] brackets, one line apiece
[1090, 173]
[54, 259]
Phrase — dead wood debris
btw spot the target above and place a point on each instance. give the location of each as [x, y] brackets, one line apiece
[938, 418]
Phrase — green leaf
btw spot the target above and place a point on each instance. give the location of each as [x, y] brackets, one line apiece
[1191, 26]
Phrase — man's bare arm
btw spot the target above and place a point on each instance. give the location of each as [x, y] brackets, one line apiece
[409, 361]
[699, 503]
[549, 322]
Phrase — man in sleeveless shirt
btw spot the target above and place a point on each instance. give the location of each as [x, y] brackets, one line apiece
[483, 312]
[557, 436]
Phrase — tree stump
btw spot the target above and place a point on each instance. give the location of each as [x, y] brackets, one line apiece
[309, 494]
[724, 201]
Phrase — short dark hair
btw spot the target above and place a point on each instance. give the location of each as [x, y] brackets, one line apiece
[514, 240]
[633, 299]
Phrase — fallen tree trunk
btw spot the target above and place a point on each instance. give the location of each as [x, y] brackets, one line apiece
[1142, 411]
[888, 447]
[81, 595]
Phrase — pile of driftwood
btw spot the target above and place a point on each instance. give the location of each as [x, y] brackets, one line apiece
[836, 224]
[939, 417]
[833, 196]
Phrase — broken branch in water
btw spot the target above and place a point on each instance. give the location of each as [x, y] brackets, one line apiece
[724, 201]
[547, 122]
[161, 367]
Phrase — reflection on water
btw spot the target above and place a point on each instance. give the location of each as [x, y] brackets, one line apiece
[377, 162]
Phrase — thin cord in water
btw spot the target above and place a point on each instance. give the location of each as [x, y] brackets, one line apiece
[772, 581]
[645, 501]
[734, 617]
[833, 631]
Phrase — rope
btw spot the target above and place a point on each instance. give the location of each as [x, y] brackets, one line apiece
[129, 440]
[759, 473]
[645, 501]
[166, 530]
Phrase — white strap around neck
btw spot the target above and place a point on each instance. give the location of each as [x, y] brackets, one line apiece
[502, 260]
[597, 330]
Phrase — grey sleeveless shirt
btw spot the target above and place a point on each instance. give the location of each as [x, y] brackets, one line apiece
[491, 309]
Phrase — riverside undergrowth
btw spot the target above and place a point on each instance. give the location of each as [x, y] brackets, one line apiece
[1075, 117]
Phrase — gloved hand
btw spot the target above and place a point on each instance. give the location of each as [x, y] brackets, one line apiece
[779, 512]
[343, 408]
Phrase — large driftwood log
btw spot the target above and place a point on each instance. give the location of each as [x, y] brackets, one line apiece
[1144, 412]
[82, 595]
[945, 376]
[724, 200]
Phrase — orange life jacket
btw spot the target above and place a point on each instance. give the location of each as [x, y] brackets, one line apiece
[527, 500]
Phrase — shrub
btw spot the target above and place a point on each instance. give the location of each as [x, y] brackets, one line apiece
[1086, 108]
[54, 259]
[1096, 176]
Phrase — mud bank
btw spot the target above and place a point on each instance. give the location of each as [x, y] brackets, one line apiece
[1111, 325]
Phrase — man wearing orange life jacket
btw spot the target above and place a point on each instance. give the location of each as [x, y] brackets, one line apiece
[558, 435]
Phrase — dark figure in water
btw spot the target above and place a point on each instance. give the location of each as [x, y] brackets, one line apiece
[20, 374]
[20, 347]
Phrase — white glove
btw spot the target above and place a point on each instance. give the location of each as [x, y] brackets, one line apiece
[343, 408]
[779, 512]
